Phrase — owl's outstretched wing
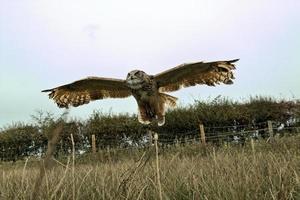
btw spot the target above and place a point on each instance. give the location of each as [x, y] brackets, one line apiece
[85, 90]
[190, 74]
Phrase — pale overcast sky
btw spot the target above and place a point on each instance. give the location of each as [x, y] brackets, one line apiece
[48, 43]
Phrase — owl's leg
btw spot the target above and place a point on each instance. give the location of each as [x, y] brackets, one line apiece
[160, 120]
[143, 115]
[160, 113]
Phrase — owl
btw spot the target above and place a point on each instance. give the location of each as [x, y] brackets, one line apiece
[149, 91]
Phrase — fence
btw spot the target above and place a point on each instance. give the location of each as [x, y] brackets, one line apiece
[236, 133]
[217, 135]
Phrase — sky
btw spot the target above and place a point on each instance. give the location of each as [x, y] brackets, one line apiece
[48, 43]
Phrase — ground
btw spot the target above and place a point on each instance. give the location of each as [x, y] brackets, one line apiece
[257, 170]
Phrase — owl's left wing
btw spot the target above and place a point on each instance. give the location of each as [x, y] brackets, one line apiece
[190, 74]
[85, 90]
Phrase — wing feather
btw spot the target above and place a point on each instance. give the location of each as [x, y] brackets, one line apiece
[191, 74]
[85, 90]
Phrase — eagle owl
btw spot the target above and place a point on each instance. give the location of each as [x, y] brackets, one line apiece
[148, 90]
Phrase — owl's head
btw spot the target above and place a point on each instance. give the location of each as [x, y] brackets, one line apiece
[136, 78]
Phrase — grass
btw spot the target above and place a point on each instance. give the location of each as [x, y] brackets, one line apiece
[258, 170]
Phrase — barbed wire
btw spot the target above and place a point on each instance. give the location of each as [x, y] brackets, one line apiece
[238, 125]
[198, 138]
[180, 133]
[141, 142]
[224, 135]
[195, 134]
[286, 128]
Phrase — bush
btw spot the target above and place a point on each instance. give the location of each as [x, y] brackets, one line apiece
[123, 130]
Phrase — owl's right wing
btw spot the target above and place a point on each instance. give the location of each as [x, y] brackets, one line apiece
[85, 90]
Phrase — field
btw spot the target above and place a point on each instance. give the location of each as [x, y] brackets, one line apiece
[257, 170]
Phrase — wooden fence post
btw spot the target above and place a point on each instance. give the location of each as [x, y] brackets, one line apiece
[157, 166]
[202, 134]
[93, 143]
[270, 129]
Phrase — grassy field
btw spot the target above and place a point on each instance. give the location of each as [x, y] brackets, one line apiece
[258, 170]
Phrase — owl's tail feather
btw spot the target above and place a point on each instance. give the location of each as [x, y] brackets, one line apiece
[168, 100]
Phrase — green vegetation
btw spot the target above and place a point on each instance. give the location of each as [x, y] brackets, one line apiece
[114, 131]
[125, 166]
[258, 171]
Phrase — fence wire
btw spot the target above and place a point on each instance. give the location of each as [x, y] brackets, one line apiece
[235, 133]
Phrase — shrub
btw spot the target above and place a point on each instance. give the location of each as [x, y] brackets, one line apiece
[122, 130]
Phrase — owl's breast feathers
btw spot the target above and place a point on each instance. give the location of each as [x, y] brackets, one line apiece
[147, 90]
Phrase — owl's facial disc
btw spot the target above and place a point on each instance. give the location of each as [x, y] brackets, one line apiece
[135, 79]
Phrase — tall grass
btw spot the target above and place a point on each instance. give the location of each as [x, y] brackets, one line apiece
[259, 170]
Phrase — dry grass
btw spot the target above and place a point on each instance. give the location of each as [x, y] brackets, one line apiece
[256, 171]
